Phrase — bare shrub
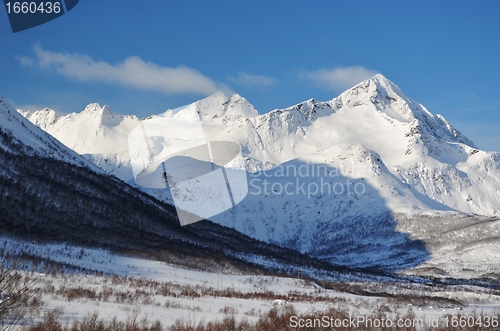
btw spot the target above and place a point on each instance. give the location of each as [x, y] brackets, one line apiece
[17, 301]
[228, 310]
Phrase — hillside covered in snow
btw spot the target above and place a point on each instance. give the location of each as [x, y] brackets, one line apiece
[50, 194]
[370, 178]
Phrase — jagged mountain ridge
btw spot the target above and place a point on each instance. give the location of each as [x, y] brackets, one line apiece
[374, 114]
[410, 161]
[49, 193]
[26, 138]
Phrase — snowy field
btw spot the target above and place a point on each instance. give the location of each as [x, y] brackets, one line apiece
[74, 282]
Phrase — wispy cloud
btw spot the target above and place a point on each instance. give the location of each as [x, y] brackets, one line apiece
[25, 61]
[251, 81]
[132, 72]
[339, 78]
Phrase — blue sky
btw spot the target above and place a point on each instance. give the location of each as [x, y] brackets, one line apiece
[143, 57]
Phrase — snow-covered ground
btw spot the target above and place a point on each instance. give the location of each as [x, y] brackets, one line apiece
[87, 281]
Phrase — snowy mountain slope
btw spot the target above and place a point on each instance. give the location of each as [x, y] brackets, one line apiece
[102, 136]
[86, 132]
[422, 150]
[18, 133]
[461, 246]
[402, 159]
[409, 161]
[377, 116]
[47, 194]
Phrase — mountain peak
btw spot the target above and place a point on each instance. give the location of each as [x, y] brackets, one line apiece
[387, 95]
[381, 94]
[382, 80]
[102, 115]
[26, 137]
[219, 106]
[96, 109]
[388, 100]
[42, 118]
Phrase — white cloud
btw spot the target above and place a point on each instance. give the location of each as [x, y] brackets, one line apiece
[25, 61]
[251, 81]
[132, 72]
[339, 78]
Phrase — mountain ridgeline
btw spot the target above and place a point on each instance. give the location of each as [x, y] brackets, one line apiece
[48, 193]
[398, 184]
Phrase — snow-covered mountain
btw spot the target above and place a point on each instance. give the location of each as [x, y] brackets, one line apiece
[49, 193]
[371, 160]
[21, 136]
[86, 132]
